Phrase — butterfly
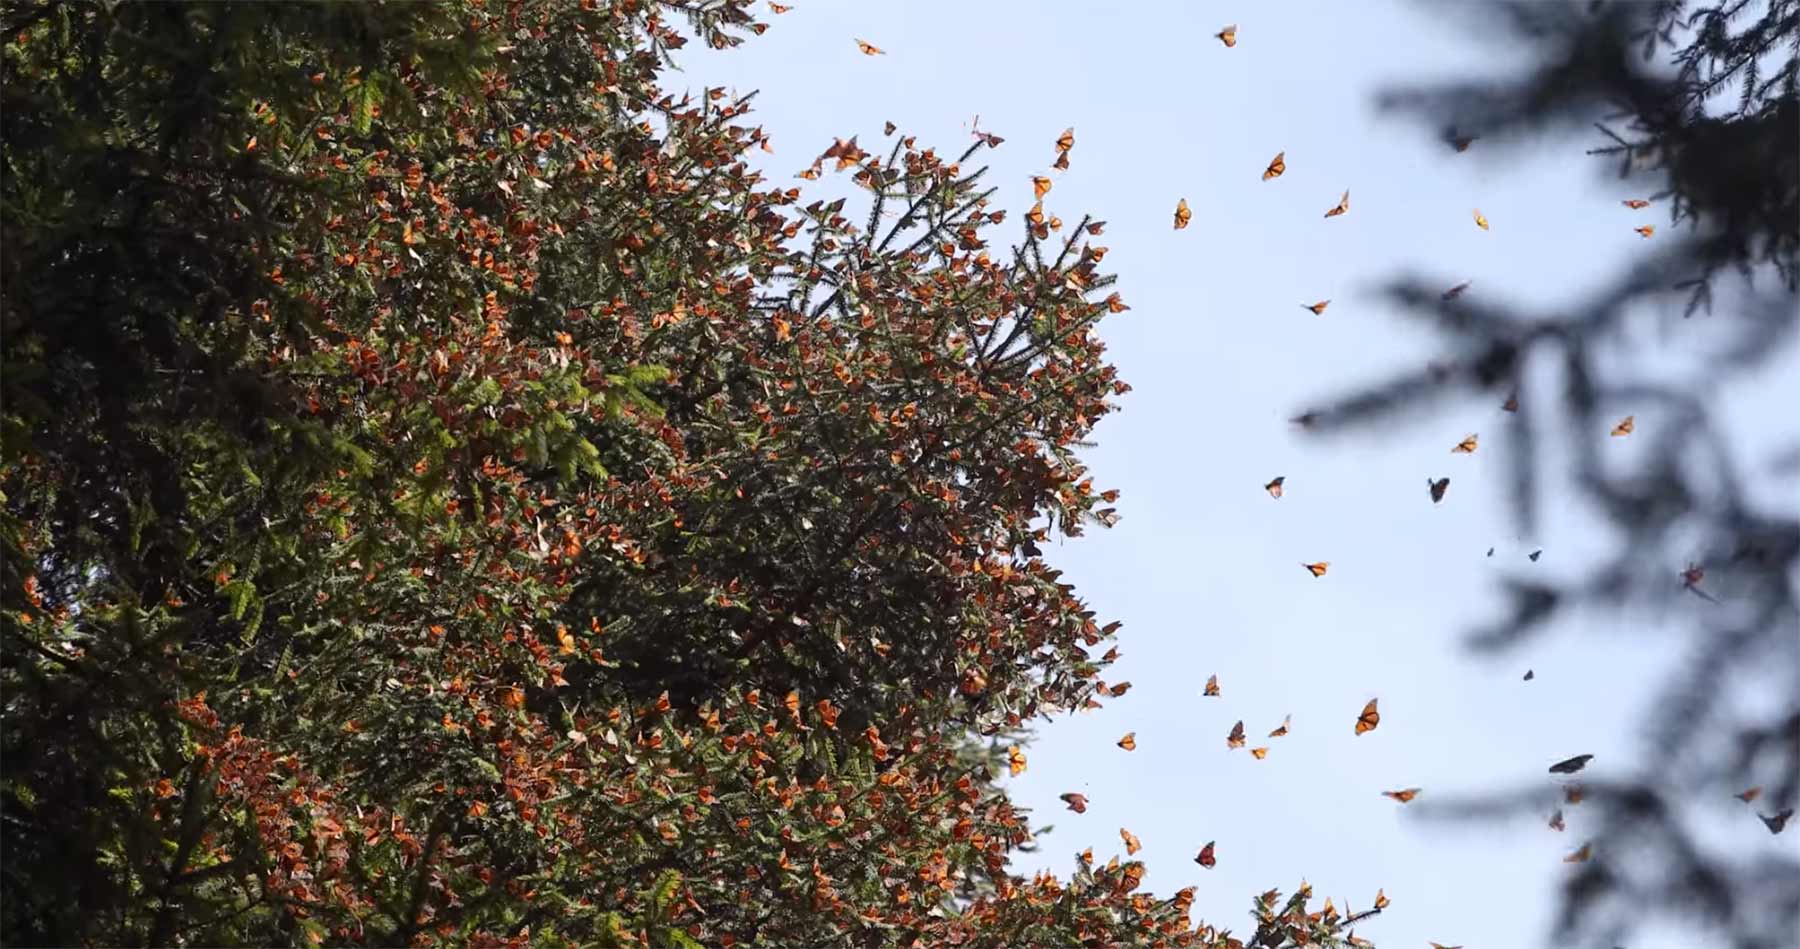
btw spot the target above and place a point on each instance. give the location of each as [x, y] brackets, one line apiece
[1066, 141]
[1131, 842]
[1556, 821]
[1277, 165]
[1205, 856]
[1511, 404]
[1490, 552]
[1236, 738]
[887, 128]
[1343, 206]
[1439, 945]
[1369, 718]
[1283, 729]
[1381, 900]
[1466, 446]
[1259, 753]
[1119, 689]
[1228, 36]
[779, 8]
[869, 49]
[1480, 221]
[1040, 186]
[1182, 214]
[1636, 204]
[1626, 426]
[1534, 555]
[1778, 822]
[1212, 687]
[1583, 855]
[1573, 794]
[1318, 308]
[1571, 765]
[1438, 488]
[1317, 569]
[1457, 290]
[1749, 795]
[1129, 742]
[1529, 675]
[1274, 487]
[1403, 796]
[1646, 230]
[1015, 760]
[1459, 142]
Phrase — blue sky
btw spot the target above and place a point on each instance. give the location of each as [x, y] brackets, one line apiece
[1204, 570]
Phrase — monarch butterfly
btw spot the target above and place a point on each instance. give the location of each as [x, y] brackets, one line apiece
[1228, 36]
[1062, 162]
[1131, 842]
[1403, 796]
[869, 49]
[1343, 206]
[1259, 753]
[1480, 221]
[1066, 140]
[1015, 760]
[1439, 945]
[1534, 555]
[1626, 426]
[1040, 186]
[1205, 856]
[1636, 204]
[810, 173]
[1182, 214]
[1457, 290]
[1236, 738]
[1087, 857]
[1119, 689]
[888, 128]
[1573, 794]
[1076, 802]
[1750, 794]
[1283, 729]
[778, 8]
[1778, 822]
[1369, 718]
[1212, 687]
[1318, 309]
[1317, 569]
[1511, 404]
[1277, 165]
[1571, 765]
[1274, 487]
[1466, 446]
[1129, 742]
[1646, 230]
[1490, 552]
[1583, 855]
[1381, 900]
[1529, 675]
[1556, 821]
[1437, 488]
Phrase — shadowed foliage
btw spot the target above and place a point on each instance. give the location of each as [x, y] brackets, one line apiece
[1697, 106]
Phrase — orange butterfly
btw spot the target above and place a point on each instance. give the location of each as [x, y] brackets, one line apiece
[1066, 140]
[1626, 426]
[1749, 795]
[1283, 729]
[1131, 842]
[1236, 738]
[1317, 569]
[1369, 718]
[1212, 686]
[1274, 487]
[1381, 900]
[1259, 753]
[1457, 290]
[887, 128]
[1228, 36]
[1480, 221]
[1466, 446]
[1403, 796]
[869, 49]
[1119, 689]
[1646, 230]
[1636, 204]
[1086, 857]
[1182, 214]
[1076, 802]
[1583, 855]
[1015, 760]
[1277, 165]
[1205, 857]
[1511, 404]
[1343, 206]
[1556, 820]
[1062, 162]
[1129, 742]
[1573, 794]
[1438, 488]
[1040, 186]
[1318, 309]
[778, 8]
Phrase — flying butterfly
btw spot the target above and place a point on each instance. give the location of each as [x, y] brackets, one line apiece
[1556, 821]
[779, 8]
[1066, 141]
[1480, 221]
[1438, 488]
[1457, 290]
[1573, 793]
[1317, 569]
[1283, 728]
[1040, 186]
[1778, 822]
[1277, 165]
[1318, 309]
[1274, 487]
[1626, 426]
[1511, 404]
[888, 128]
[1645, 230]
[869, 49]
[1439, 945]
[1259, 753]
[1404, 796]
[1131, 842]
[1583, 855]
[1236, 738]
[1212, 687]
[1571, 765]
[1342, 207]
[1466, 446]
[1228, 36]
[1205, 856]
[1636, 204]
[1076, 802]
[1529, 675]
[1369, 719]
[1182, 214]
[1015, 760]
[1459, 142]
[1534, 555]
[1749, 795]
[1129, 742]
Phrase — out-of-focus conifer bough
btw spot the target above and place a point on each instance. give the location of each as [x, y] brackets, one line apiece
[449, 498]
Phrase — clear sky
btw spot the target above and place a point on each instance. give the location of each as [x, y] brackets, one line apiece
[1205, 569]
